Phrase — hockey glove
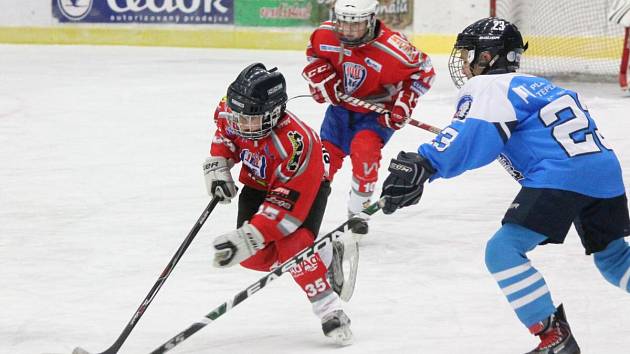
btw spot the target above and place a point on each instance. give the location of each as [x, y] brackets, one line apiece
[219, 182]
[395, 119]
[323, 81]
[405, 183]
[400, 113]
[236, 246]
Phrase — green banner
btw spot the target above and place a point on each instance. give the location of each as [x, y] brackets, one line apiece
[275, 13]
[397, 14]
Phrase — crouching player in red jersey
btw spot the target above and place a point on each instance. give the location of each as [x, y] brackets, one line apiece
[282, 203]
[356, 54]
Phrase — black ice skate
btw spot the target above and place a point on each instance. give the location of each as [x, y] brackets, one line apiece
[555, 335]
[336, 325]
[358, 225]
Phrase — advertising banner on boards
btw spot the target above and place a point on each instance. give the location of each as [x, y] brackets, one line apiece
[275, 13]
[144, 11]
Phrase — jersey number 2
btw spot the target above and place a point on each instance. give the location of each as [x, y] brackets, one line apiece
[578, 121]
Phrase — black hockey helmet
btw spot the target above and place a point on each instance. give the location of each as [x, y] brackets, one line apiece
[497, 36]
[257, 99]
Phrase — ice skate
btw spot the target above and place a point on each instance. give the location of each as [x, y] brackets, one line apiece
[555, 335]
[358, 225]
[342, 272]
[336, 325]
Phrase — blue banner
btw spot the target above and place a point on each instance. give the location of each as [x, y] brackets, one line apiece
[145, 11]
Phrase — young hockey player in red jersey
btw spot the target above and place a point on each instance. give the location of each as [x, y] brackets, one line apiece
[282, 203]
[356, 54]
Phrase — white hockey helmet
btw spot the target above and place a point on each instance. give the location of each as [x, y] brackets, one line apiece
[355, 21]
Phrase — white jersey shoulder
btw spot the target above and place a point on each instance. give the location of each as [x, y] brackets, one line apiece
[485, 97]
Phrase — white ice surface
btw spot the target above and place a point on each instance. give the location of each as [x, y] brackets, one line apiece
[100, 181]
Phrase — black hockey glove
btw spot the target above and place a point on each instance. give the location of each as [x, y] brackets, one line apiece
[405, 183]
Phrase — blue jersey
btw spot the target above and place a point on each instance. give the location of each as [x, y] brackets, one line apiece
[543, 134]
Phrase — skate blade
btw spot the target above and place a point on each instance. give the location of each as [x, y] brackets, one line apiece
[350, 264]
[357, 237]
[342, 336]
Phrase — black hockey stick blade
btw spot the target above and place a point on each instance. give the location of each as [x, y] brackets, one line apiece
[114, 348]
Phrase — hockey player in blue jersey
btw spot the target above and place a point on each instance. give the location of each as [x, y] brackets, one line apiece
[547, 139]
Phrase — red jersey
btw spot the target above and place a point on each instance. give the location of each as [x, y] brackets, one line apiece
[376, 71]
[287, 164]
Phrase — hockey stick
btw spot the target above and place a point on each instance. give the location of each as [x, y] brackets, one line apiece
[262, 282]
[158, 284]
[375, 107]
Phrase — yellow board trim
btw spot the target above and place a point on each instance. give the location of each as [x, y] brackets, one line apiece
[251, 38]
[596, 47]
[294, 38]
[167, 37]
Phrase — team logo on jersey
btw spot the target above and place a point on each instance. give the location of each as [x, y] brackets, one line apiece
[463, 107]
[353, 76]
[297, 142]
[256, 163]
[402, 44]
[75, 10]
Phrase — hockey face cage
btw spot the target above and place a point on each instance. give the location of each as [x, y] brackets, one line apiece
[458, 62]
[254, 127]
[354, 28]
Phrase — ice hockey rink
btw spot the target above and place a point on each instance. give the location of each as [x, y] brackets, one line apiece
[100, 182]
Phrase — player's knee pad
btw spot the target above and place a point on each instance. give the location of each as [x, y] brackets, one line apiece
[336, 158]
[365, 153]
[507, 248]
[614, 263]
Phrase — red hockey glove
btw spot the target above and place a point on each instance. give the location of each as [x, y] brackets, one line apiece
[400, 114]
[395, 119]
[322, 81]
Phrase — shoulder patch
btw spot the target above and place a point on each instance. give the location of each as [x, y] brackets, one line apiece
[463, 107]
[402, 44]
[297, 142]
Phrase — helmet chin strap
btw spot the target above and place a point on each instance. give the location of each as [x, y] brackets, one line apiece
[488, 68]
[488, 65]
[494, 60]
